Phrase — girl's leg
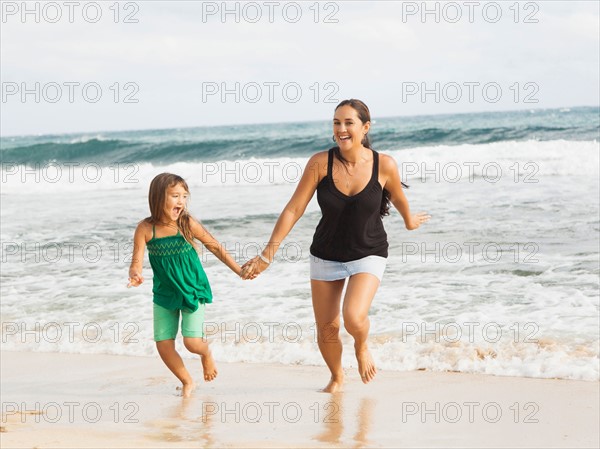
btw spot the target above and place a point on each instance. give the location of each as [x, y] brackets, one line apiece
[166, 323]
[198, 345]
[357, 302]
[192, 328]
[168, 354]
[326, 296]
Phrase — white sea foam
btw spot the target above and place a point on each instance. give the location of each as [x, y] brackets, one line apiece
[520, 161]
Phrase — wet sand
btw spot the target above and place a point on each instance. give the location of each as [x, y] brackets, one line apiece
[85, 401]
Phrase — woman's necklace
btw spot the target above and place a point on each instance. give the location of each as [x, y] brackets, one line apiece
[347, 171]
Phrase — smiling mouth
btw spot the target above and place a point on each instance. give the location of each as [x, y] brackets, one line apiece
[344, 138]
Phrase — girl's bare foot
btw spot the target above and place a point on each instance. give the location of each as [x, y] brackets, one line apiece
[209, 367]
[366, 366]
[335, 384]
[187, 388]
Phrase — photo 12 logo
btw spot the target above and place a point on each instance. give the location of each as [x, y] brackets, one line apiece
[69, 172]
[69, 92]
[270, 12]
[471, 12]
[481, 252]
[269, 92]
[69, 332]
[469, 92]
[471, 412]
[71, 412]
[70, 12]
[452, 172]
[271, 412]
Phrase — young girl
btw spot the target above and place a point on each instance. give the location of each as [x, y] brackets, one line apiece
[180, 284]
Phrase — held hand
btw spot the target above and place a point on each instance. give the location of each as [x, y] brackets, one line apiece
[252, 268]
[246, 268]
[135, 280]
[245, 273]
[417, 220]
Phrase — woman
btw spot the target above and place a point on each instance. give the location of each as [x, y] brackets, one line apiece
[354, 186]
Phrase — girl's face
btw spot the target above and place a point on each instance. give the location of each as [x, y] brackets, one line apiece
[348, 130]
[175, 202]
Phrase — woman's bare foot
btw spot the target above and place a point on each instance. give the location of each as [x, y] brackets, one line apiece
[209, 367]
[186, 389]
[335, 384]
[366, 366]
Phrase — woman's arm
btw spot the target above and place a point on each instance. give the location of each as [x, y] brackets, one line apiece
[296, 206]
[392, 183]
[315, 170]
[213, 245]
[137, 257]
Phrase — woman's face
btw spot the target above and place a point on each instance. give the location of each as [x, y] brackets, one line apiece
[348, 130]
[175, 202]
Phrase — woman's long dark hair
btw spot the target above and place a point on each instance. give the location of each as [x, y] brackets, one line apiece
[365, 116]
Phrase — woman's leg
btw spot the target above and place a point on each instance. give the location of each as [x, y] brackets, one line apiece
[326, 296]
[168, 354]
[357, 302]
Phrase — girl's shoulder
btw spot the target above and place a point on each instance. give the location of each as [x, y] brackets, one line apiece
[145, 228]
[144, 224]
[194, 223]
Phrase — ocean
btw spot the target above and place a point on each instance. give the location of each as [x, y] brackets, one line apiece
[503, 280]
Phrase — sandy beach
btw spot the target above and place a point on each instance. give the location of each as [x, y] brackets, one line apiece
[92, 401]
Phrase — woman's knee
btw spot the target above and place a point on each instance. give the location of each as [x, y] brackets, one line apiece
[328, 332]
[354, 324]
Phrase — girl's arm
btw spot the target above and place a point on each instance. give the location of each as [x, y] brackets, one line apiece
[214, 246]
[392, 184]
[315, 169]
[137, 257]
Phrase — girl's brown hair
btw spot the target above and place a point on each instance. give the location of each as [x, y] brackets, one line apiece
[157, 197]
[364, 116]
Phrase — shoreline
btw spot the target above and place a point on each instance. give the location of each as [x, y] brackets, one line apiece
[81, 400]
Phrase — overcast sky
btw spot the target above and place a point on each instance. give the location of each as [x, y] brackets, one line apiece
[166, 64]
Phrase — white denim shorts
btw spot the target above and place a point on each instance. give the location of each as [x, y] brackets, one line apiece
[330, 270]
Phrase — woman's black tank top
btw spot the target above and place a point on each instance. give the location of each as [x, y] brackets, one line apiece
[351, 227]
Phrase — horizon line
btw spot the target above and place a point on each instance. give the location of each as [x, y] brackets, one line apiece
[291, 121]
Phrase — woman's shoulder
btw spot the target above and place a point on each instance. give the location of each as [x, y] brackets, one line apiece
[320, 156]
[318, 160]
[387, 163]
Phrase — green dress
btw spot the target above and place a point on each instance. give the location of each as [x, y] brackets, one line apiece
[179, 279]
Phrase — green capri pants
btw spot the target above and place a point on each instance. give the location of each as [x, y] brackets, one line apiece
[166, 323]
